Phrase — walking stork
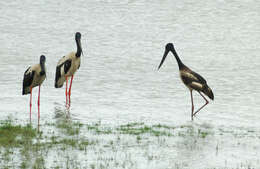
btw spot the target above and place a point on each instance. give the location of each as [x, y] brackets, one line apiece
[190, 78]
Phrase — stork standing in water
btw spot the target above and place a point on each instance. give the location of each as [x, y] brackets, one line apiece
[34, 76]
[190, 78]
[67, 66]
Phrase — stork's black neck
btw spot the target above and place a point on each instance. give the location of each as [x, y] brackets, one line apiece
[79, 49]
[42, 64]
[180, 64]
[42, 69]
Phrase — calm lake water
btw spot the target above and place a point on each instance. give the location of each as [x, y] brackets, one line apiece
[118, 81]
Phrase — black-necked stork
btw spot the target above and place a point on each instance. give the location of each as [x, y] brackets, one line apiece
[190, 78]
[34, 76]
[67, 66]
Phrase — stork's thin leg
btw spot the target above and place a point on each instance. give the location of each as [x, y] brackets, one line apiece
[66, 93]
[203, 105]
[30, 104]
[70, 88]
[39, 104]
[192, 105]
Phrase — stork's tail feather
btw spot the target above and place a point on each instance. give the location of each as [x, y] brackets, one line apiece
[207, 91]
[57, 84]
[26, 91]
[57, 78]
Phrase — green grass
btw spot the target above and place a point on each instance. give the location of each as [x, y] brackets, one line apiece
[98, 129]
[202, 134]
[15, 135]
[139, 129]
[70, 143]
[163, 126]
[32, 146]
[69, 128]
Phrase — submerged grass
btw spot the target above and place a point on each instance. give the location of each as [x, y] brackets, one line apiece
[32, 146]
[98, 129]
[69, 128]
[25, 141]
[15, 135]
[138, 129]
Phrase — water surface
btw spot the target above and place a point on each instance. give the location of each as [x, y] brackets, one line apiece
[118, 81]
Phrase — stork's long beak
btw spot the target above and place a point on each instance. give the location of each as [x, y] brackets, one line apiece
[79, 42]
[42, 63]
[81, 48]
[164, 56]
[43, 69]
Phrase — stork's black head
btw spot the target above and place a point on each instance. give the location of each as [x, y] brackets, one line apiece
[78, 42]
[42, 59]
[169, 47]
[77, 36]
[42, 63]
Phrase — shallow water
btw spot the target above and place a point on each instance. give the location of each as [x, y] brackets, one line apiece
[118, 81]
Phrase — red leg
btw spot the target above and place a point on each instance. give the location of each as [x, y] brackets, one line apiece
[66, 93]
[203, 105]
[192, 106]
[70, 89]
[39, 104]
[30, 104]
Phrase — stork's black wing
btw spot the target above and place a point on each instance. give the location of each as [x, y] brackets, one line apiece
[199, 77]
[27, 79]
[61, 70]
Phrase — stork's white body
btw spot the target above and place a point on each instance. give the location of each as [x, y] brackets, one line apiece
[37, 79]
[75, 64]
